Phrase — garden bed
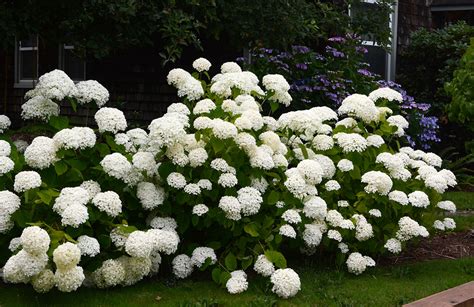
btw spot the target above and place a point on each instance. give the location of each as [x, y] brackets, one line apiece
[444, 246]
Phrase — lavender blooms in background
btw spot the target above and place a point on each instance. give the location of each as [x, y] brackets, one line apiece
[326, 79]
[428, 125]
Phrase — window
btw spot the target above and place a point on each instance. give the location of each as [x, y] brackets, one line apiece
[26, 62]
[381, 62]
[71, 64]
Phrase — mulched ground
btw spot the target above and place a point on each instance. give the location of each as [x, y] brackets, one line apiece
[445, 246]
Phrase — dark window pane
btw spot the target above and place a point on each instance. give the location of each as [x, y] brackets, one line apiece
[29, 42]
[73, 65]
[28, 65]
[376, 58]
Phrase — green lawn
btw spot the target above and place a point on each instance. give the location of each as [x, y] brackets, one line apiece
[464, 201]
[384, 286]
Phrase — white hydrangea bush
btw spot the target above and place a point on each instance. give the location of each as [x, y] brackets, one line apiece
[211, 185]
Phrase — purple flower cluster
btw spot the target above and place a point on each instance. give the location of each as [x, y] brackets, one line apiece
[416, 113]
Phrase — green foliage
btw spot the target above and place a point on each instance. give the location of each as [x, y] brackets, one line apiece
[461, 90]
[98, 28]
[430, 59]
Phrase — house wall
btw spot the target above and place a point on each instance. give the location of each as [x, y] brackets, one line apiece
[412, 15]
[136, 80]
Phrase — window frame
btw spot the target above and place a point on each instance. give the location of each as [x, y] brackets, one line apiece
[61, 59]
[390, 57]
[25, 83]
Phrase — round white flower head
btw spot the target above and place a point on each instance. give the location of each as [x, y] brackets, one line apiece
[91, 91]
[150, 196]
[332, 185]
[92, 187]
[436, 182]
[359, 106]
[74, 215]
[263, 266]
[66, 256]
[447, 205]
[111, 273]
[165, 223]
[449, 223]
[375, 140]
[343, 203]
[110, 120]
[176, 180]
[40, 108]
[439, 225]
[164, 241]
[192, 189]
[433, 159]
[35, 240]
[291, 216]
[375, 212]
[279, 86]
[227, 180]
[26, 180]
[419, 199]
[231, 206]
[44, 281]
[356, 263]
[345, 165]
[201, 254]
[108, 202]
[54, 85]
[377, 182]
[116, 165]
[237, 283]
[400, 122]
[200, 209]
[118, 237]
[286, 283]
[393, 245]
[69, 197]
[138, 244]
[75, 138]
[4, 123]
[386, 93]
[287, 231]
[250, 199]
[311, 171]
[351, 142]
[230, 67]
[145, 162]
[409, 228]
[399, 197]
[201, 64]
[22, 266]
[260, 184]
[322, 142]
[6, 165]
[89, 246]
[41, 153]
[186, 84]
[69, 280]
[15, 244]
[182, 266]
[334, 235]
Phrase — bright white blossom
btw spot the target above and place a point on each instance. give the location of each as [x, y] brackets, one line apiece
[286, 283]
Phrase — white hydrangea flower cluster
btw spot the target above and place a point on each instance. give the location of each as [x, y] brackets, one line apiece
[6, 164]
[91, 91]
[110, 120]
[357, 263]
[41, 153]
[186, 84]
[386, 93]
[40, 108]
[55, 85]
[75, 138]
[237, 283]
[26, 180]
[31, 260]
[71, 206]
[286, 283]
[5, 123]
[10, 204]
